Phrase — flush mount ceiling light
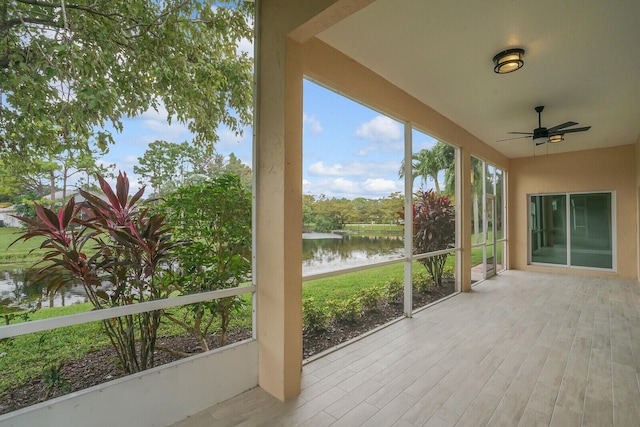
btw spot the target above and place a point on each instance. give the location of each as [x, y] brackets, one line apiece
[508, 61]
[556, 138]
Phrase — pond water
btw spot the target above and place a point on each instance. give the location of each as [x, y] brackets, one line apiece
[323, 252]
[16, 290]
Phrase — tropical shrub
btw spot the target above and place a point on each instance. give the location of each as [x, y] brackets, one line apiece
[315, 316]
[370, 297]
[115, 252]
[434, 229]
[213, 220]
[393, 290]
[422, 281]
[348, 310]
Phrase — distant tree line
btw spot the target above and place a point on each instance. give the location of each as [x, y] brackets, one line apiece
[320, 213]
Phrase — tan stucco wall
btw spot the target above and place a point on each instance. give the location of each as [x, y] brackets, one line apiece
[611, 169]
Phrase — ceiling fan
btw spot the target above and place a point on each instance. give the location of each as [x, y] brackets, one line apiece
[541, 134]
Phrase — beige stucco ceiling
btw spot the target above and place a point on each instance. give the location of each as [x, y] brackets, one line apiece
[582, 63]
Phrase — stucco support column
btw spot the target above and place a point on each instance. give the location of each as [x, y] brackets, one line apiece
[465, 220]
[278, 205]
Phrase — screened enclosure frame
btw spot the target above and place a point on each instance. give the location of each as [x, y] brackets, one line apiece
[408, 257]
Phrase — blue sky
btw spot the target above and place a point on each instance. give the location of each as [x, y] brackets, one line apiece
[349, 150]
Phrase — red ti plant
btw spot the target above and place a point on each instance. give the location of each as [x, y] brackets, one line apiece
[434, 229]
[116, 252]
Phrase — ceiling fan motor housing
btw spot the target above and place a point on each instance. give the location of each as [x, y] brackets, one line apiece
[540, 133]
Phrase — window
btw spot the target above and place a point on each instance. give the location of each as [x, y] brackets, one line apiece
[572, 229]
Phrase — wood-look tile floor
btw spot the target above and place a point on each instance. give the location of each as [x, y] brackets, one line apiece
[521, 349]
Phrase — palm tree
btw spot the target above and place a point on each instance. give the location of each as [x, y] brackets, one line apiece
[428, 164]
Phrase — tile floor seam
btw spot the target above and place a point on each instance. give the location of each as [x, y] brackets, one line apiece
[568, 357]
[542, 369]
[584, 403]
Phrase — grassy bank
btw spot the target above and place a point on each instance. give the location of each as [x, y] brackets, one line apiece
[19, 252]
[347, 285]
[375, 230]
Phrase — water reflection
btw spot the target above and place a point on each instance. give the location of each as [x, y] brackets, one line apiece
[17, 291]
[322, 252]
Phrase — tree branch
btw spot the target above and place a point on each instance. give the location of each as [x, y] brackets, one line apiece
[38, 21]
[89, 9]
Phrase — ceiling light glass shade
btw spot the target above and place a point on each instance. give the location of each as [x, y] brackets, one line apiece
[556, 138]
[540, 140]
[508, 61]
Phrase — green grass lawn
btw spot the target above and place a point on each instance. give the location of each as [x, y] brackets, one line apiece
[19, 252]
[347, 285]
[28, 356]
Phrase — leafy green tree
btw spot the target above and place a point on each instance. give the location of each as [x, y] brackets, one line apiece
[25, 203]
[55, 168]
[235, 166]
[214, 221]
[10, 185]
[72, 67]
[333, 211]
[326, 214]
[361, 210]
[390, 206]
[165, 165]
[74, 163]
[308, 210]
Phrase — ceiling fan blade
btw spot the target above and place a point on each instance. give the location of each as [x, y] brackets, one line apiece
[573, 130]
[509, 139]
[562, 126]
[521, 133]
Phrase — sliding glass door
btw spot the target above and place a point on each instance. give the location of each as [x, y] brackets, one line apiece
[572, 229]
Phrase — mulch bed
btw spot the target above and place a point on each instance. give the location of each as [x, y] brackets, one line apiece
[101, 366]
[340, 332]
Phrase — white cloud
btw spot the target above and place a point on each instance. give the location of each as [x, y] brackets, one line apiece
[350, 189]
[380, 129]
[354, 169]
[383, 186]
[130, 160]
[229, 140]
[319, 169]
[312, 124]
[343, 185]
[424, 145]
[156, 122]
[382, 133]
